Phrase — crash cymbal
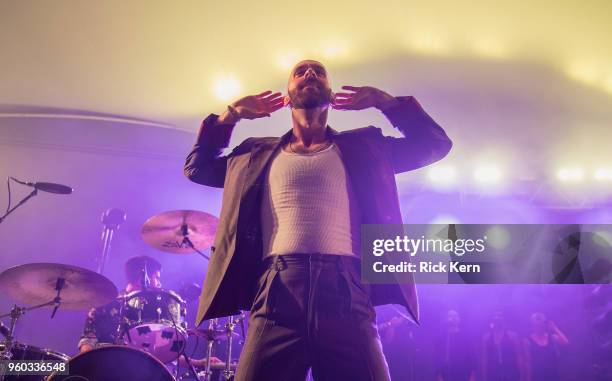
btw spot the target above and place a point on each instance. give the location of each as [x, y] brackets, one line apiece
[173, 231]
[35, 283]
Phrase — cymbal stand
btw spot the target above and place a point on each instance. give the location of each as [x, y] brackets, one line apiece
[190, 368]
[230, 326]
[17, 312]
[187, 241]
[212, 326]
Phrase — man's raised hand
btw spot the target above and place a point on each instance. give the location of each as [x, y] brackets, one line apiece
[252, 107]
[362, 97]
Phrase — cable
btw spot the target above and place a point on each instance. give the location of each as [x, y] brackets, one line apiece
[8, 186]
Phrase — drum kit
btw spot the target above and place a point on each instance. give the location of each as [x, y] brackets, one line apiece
[152, 333]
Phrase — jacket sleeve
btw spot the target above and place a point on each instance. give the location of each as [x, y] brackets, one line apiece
[424, 141]
[205, 164]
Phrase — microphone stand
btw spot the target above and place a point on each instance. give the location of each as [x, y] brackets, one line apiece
[32, 194]
[111, 219]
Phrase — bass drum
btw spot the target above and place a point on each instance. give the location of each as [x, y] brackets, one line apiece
[32, 353]
[115, 363]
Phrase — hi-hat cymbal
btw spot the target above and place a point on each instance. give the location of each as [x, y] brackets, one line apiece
[173, 231]
[35, 283]
[211, 334]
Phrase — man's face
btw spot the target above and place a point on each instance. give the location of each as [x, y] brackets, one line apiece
[452, 318]
[308, 86]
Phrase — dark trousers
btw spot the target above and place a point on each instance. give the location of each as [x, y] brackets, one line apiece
[311, 311]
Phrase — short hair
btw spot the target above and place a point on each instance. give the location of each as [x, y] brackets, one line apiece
[135, 265]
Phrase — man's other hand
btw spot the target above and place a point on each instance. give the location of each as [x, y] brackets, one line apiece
[362, 97]
[252, 107]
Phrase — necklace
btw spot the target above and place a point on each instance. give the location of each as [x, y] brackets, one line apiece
[327, 144]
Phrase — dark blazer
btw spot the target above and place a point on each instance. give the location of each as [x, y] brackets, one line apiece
[371, 160]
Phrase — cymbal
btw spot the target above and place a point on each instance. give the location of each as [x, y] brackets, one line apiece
[173, 230]
[34, 283]
[211, 334]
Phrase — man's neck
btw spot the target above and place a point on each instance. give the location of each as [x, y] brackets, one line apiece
[309, 125]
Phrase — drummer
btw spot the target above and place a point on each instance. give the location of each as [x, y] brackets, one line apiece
[102, 323]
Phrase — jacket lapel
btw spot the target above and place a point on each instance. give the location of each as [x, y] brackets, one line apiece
[261, 153]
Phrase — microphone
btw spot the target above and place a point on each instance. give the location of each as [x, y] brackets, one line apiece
[47, 187]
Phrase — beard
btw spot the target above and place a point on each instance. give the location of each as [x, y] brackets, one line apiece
[302, 98]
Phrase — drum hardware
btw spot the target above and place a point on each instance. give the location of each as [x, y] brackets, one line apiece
[228, 373]
[111, 219]
[212, 325]
[180, 231]
[153, 320]
[211, 334]
[9, 343]
[74, 288]
[21, 351]
[190, 367]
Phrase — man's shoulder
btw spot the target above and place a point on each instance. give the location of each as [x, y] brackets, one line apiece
[369, 131]
[249, 143]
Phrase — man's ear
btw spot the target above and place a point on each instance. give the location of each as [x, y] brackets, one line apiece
[286, 101]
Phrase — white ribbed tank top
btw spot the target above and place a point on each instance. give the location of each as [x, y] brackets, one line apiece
[308, 205]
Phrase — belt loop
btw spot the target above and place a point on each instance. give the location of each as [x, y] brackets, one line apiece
[279, 263]
[310, 259]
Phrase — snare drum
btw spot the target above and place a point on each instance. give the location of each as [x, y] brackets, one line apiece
[155, 322]
[29, 352]
[114, 363]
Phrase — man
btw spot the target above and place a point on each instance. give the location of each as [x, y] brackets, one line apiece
[454, 352]
[542, 349]
[287, 245]
[102, 323]
[503, 356]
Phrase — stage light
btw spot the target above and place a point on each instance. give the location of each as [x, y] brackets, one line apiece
[498, 237]
[570, 174]
[607, 84]
[490, 48]
[603, 174]
[441, 175]
[487, 174]
[334, 49]
[428, 43]
[583, 72]
[286, 61]
[226, 87]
